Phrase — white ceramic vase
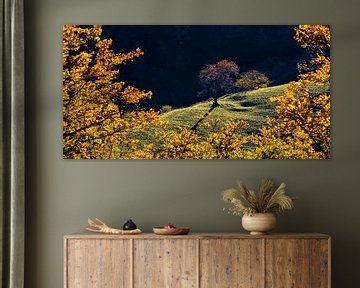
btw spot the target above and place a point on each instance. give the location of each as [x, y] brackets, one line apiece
[259, 223]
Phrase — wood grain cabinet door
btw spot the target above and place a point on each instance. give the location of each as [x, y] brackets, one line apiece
[297, 263]
[320, 263]
[98, 263]
[165, 263]
[231, 263]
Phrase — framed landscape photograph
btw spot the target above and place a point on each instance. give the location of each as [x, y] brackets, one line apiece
[196, 92]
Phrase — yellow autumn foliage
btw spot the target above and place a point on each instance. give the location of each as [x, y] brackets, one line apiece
[97, 117]
[301, 126]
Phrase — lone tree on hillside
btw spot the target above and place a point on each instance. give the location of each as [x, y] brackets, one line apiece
[216, 80]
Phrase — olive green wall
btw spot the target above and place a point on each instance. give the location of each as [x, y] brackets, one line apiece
[62, 194]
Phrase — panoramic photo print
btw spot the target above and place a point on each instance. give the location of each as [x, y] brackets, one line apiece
[196, 92]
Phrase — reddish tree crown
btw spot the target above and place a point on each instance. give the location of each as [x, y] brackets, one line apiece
[218, 79]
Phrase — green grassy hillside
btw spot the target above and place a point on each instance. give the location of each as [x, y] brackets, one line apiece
[252, 106]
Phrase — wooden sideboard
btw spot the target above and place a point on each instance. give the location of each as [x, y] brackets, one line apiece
[197, 261]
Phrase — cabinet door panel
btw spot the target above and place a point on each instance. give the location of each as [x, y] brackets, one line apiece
[287, 263]
[165, 263]
[231, 263]
[319, 263]
[98, 263]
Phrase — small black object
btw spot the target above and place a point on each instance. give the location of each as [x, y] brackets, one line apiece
[129, 225]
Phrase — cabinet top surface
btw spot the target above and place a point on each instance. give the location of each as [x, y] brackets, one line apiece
[86, 235]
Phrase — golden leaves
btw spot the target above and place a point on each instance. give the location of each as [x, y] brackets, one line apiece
[132, 95]
[96, 119]
[301, 126]
[225, 142]
[313, 36]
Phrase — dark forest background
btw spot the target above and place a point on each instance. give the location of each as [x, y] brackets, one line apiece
[175, 54]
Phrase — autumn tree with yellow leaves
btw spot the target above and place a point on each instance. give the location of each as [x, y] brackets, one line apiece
[99, 111]
[301, 126]
[223, 142]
